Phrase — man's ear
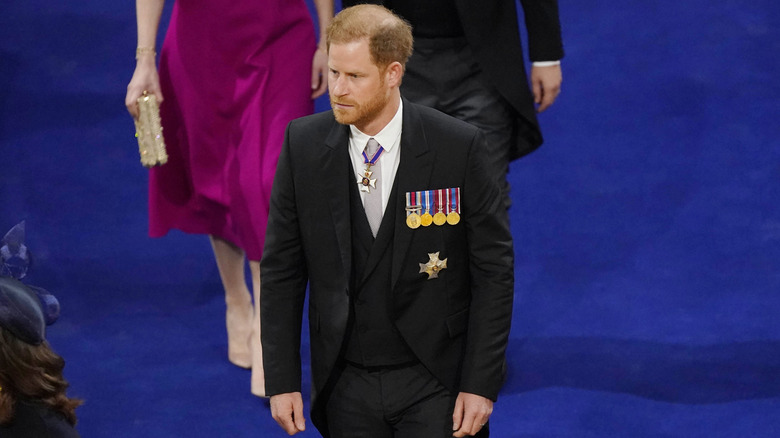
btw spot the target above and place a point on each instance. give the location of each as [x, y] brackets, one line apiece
[394, 73]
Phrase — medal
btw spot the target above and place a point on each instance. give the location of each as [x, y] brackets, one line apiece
[413, 221]
[434, 265]
[439, 218]
[412, 210]
[426, 219]
[453, 216]
[365, 181]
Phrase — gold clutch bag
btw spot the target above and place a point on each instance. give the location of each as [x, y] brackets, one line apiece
[148, 131]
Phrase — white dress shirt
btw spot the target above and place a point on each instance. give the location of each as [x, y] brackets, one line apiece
[390, 140]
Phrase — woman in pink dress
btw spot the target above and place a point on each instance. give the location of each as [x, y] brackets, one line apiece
[232, 75]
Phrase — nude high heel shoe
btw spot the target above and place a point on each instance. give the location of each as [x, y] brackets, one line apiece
[239, 313]
[238, 319]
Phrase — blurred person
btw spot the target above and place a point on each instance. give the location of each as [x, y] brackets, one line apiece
[231, 75]
[468, 62]
[33, 402]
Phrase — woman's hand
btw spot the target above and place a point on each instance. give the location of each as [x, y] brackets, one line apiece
[319, 72]
[144, 78]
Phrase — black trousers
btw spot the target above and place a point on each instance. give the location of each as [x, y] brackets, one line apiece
[399, 402]
[442, 73]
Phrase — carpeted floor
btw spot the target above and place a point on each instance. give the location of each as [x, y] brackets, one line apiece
[647, 232]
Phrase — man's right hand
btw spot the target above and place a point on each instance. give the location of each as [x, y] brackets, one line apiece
[287, 410]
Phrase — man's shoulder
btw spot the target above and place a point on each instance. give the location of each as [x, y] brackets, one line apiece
[317, 120]
[311, 129]
[433, 118]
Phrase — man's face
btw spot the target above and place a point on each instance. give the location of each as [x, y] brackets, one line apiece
[358, 90]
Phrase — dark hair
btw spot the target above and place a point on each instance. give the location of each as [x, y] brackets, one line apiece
[32, 372]
[389, 36]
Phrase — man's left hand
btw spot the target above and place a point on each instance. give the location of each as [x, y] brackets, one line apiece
[471, 413]
[546, 85]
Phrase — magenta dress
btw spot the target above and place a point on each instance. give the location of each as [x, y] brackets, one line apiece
[233, 74]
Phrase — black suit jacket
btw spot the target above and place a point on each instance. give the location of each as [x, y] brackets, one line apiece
[456, 325]
[492, 32]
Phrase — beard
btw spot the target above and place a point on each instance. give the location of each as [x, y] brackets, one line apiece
[360, 114]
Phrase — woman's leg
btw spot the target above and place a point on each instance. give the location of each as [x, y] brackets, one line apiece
[258, 376]
[238, 317]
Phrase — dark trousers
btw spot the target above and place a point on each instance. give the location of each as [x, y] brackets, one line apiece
[400, 402]
[442, 73]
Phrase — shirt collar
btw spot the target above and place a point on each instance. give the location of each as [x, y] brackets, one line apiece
[387, 137]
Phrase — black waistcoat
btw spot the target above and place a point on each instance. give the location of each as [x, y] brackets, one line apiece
[373, 339]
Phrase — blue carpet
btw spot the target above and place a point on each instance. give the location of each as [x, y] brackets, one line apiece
[647, 232]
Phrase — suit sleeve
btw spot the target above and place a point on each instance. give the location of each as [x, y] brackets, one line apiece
[283, 276]
[543, 24]
[491, 265]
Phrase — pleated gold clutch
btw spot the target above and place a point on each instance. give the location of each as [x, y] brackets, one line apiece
[148, 131]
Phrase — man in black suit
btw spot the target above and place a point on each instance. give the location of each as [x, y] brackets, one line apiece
[385, 209]
[468, 63]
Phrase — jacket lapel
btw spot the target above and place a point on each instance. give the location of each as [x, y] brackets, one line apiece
[414, 174]
[335, 173]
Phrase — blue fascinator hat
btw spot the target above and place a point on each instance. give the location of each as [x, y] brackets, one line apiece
[25, 310]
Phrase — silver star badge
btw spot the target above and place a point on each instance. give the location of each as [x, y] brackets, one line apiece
[434, 265]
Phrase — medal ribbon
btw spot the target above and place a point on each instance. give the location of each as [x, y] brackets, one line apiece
[427, 205]
[454, 199]
[412, 200]
[374, 158]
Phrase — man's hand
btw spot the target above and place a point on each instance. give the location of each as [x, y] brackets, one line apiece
[471, 413]
[546, 85]
[287, 410]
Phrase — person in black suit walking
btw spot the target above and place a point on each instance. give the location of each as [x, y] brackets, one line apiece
[386, 211]
[468, 63]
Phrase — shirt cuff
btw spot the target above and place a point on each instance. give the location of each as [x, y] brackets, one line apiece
[545, 63]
